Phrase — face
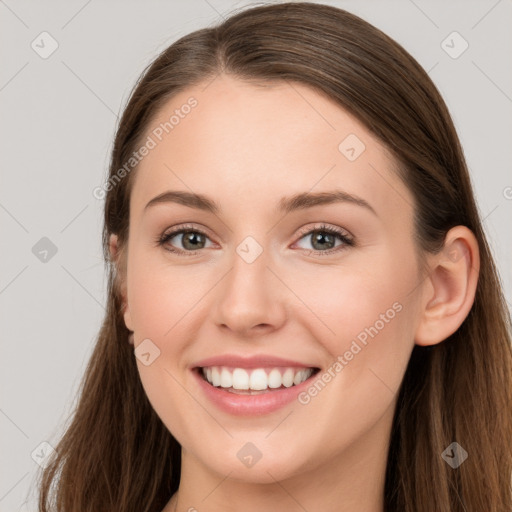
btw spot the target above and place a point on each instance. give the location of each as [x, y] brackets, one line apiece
[301, 284]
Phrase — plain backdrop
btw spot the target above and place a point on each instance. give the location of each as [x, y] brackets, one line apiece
[58, 115]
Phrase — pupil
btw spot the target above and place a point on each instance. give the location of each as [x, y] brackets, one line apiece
[191, 238]
[323, 238]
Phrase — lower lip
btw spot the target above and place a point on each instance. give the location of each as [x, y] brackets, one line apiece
[250, 405]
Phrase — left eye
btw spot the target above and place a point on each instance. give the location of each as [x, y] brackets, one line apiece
[324, 239]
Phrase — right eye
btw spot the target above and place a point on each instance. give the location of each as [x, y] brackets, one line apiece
[191, 239]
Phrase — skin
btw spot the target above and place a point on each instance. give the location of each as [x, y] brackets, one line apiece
[246, 146]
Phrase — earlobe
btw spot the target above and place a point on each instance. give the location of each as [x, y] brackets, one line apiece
[450, 288]
[127, 316]
[114, 256]
[113, 246]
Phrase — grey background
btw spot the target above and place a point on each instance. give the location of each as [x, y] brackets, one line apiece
[57, 123]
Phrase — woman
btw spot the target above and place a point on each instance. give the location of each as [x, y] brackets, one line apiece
[303, 310]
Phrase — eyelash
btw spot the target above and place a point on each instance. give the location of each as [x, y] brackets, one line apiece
[347, 241]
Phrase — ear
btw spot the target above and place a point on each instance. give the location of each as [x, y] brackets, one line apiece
[450, 288]
[116, 257]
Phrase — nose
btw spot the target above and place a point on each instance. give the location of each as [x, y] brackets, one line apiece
[250, 299]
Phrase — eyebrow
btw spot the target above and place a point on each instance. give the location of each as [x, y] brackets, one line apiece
[299, 201]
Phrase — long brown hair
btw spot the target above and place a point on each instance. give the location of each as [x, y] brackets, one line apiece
[116, 453]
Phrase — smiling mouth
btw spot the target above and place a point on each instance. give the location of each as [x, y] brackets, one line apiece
[255, 381]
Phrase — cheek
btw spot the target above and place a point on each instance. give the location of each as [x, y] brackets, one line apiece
[161, 303]
[364, 317]
[349, 303]
[160, 296]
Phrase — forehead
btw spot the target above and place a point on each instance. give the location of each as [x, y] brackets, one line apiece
[243, 142]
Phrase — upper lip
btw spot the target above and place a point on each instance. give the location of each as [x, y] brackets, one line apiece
[256, 361]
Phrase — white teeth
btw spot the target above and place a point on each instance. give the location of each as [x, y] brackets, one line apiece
[226, 378]
[258, 379]
[215, 376]
[240, 379]
[288, 378]
[274, 379]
